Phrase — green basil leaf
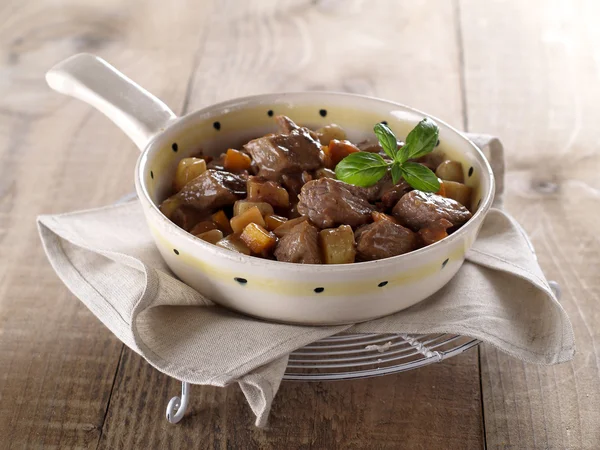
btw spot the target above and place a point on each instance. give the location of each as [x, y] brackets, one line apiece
[396, 172]
[420, 177]
[402, 154]
[422, 139]
[361, 169]
[387, 139]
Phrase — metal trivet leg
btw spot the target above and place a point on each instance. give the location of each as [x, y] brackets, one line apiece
[177, 406]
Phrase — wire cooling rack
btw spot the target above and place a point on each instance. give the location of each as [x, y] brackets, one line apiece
[352, 356]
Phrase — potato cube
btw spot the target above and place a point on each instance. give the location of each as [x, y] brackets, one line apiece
[261, 190]
[212, 236]
[236, 161]
[203, 227]
[222, 222]
[285, 228]
[459, 192]
[329, 132]
[252, 215]
[450, 171]
[169, 206]
[273, 221]
[187, 170]
[258, 239]
[242, 206]
[235, 244]
[337, 245]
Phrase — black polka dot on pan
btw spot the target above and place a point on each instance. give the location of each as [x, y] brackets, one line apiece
[323, 112]
[470, 171]
[152, 175]
[217, 125]
[174, 146]
[176, 251]
[319, 290]
[241, 280]
[437, 143]
[445, 262]
[382, 284]
[270, 113]
[384, 122]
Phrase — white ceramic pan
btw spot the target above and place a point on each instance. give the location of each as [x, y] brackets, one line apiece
[296, 293]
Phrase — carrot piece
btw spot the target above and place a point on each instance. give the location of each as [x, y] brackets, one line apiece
[222, 222]
[236, 161]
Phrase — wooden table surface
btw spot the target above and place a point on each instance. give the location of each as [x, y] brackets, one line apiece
[526, 71]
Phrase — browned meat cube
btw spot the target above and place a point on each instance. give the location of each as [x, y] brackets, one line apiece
[329, 203]
[384, 239]
[418, 210]
[292, 152]
[211, 190]
[392, 194]
[300, 245]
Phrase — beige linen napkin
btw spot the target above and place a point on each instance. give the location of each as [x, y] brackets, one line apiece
[107, 258]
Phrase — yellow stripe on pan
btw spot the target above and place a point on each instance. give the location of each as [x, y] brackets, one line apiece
[302, 287]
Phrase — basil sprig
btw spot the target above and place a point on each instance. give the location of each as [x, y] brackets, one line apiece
[365, 169]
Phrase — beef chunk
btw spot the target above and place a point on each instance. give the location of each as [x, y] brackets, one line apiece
[392, 194]
[418, 210]
[329, 203]
[431, 160]
[291, 152]
[300, 245]
[285, 124]
[212, 190]
[384, 239]
[383, 188]
[294, 182]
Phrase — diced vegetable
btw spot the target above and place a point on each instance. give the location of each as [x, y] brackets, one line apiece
[338, 150]
[169, 206]
[330, 132]
[261, 190]
[435, 231]
[222, 222]
[258, 239]
[450, 171]
[285, 228]
[377, 216]
[273, 221]
[459, 192]
[235, 244]
[236, 161]
[202, 227]
[324, 173]
[242, 206]
[337, 245]
[252, 215]
[212, 236]
[187, 170]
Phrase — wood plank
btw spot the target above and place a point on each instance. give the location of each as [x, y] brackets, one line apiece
[58, 362]
[535, 84]
[419, 409]
[364, 48]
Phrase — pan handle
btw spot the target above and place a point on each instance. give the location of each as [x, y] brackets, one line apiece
[132, 108]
